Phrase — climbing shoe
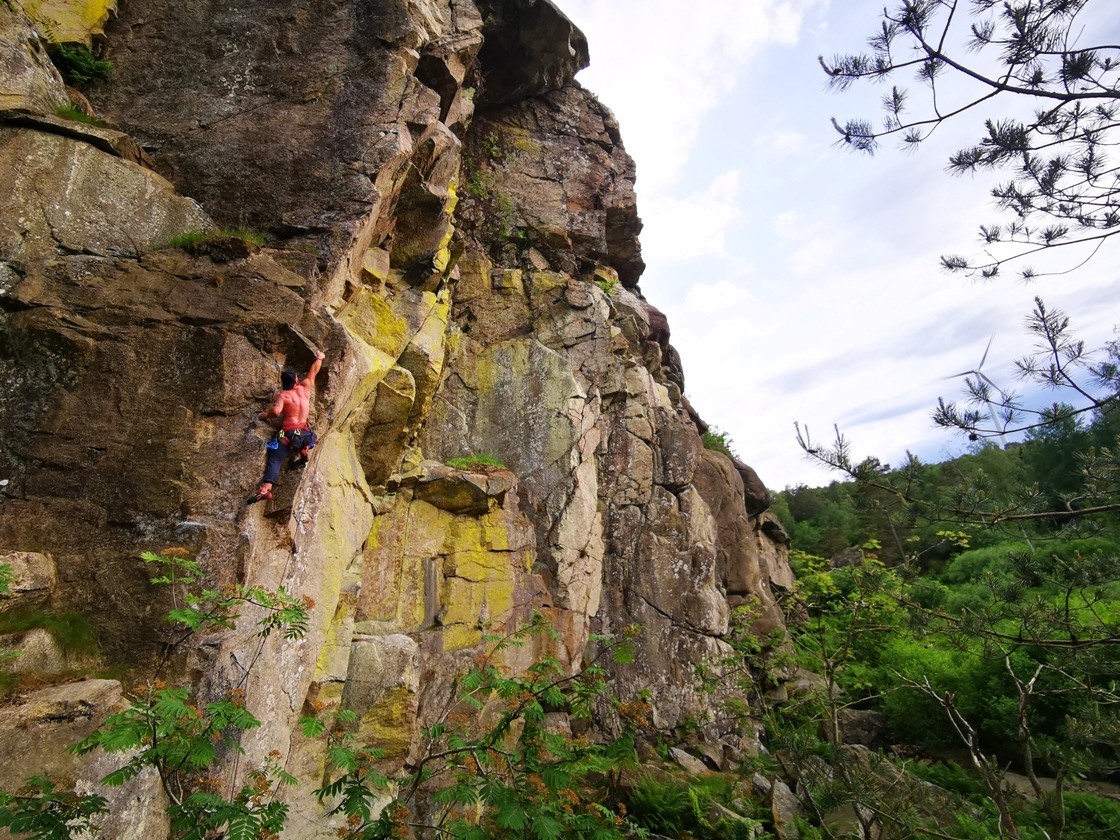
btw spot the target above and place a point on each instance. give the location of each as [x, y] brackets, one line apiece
[259, 497]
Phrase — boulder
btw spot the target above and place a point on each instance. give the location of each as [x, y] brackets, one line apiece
[464, 493]
[785, 808]
[29, 81]
[687, 761]
[66, 195]
[530, 48]
[43, 725]
[33, 652]
[865, 728]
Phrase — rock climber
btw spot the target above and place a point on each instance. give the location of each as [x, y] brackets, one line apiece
[295, 439]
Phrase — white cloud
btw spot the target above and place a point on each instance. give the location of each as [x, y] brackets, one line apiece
[785, 143]
[661, 67]
[801, 281]
[692, 226]
[711, 298]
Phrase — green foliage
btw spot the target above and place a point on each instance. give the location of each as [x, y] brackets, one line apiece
[608, 286]
[73, 632]
[660, 805]
[220, 609]
[78, 65]
[70, 112]
[491, 146]
[1086, 815]
[806, 830]
[41, 811]
[1037, 59]
[174, 567]
[252, 814]
[676, 808]
[509, 776]
[480, 461]
[1002, 638]
[719, 441]
[164, 729]
[952, 777]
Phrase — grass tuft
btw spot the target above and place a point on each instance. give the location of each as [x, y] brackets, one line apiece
[73, 632]
[70, 112]
[476, 462]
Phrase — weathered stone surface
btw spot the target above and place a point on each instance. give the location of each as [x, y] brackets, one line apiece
[431, 570]
[737, 550]
[531, 48]
[315, 125]
[33, 578]
[28, 80]
[784, 810]
[382, 688]
[865, 728]
[773, 545]
[106, 139]
[34, 651]
[66, 195]
[464, 493]
[756, 496]
[41, 727]
[552, 170]
[689, 762]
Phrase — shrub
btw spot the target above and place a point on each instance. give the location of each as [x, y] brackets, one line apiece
[951, 777]
[971, 566]
[608, 285]
[676, 808]
[661, 807]
[719, 441]
[1091, 816]
[78, 65]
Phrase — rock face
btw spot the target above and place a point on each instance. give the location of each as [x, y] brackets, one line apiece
[452, 219]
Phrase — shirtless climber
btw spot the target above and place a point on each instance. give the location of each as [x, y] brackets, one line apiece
[292, 404]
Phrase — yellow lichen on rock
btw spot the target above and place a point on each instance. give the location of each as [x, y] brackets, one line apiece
[388, 725]
[71, 21]
[478, 565]
[442, 258]
[369, 318]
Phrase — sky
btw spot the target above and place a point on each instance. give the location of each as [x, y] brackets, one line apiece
[802, 280]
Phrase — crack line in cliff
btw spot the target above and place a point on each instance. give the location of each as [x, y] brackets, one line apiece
[681, 624]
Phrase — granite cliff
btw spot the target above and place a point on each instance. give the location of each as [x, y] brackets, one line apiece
[451, 218]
